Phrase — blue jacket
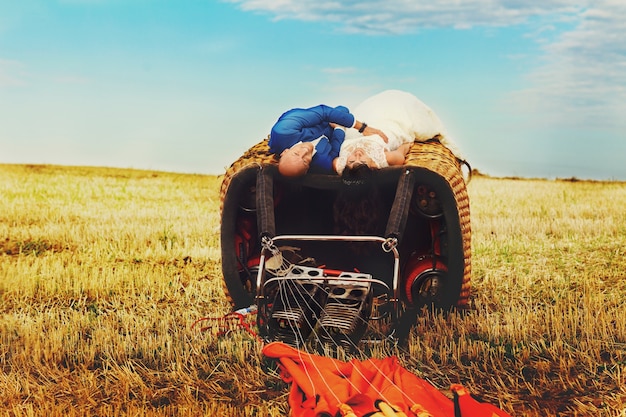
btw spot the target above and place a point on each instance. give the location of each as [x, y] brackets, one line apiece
[306, 125]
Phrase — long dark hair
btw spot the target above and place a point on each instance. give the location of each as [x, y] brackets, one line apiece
[358, 207]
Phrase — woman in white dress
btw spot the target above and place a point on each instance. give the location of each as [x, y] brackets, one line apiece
[358, 208]
[403, 118]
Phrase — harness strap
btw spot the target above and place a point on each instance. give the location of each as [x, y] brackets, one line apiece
[266, 222]
[400, 209]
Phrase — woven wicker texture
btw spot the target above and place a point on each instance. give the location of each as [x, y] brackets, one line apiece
[429, 155]
[437, 158]
[259, 154]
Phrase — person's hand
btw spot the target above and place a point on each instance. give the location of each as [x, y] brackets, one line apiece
[373, 131]
[405, 148]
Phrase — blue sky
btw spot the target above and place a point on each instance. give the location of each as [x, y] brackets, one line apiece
[526, 88]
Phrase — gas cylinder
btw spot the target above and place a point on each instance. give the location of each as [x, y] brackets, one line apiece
[424, 277]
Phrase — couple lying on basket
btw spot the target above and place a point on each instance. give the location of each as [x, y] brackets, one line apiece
[331, 139]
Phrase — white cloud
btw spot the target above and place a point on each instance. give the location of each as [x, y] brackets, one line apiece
[404, 16]
[582, 79]
[216, 46]
[71, 79]
[11, 73]
[343, 70]
[15, 74]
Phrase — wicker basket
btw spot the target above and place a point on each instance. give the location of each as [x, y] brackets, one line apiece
[430, 158]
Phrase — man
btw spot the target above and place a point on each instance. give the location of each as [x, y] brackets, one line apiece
[311, 138]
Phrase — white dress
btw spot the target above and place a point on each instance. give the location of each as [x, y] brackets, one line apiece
[402, 117]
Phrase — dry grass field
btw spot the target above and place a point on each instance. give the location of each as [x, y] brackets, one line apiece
[104, 271]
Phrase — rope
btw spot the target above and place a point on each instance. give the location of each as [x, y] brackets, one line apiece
[239, 317]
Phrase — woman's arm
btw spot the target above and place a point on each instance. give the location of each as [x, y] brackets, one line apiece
[397, 157]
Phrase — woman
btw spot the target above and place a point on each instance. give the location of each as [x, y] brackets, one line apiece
[403, 118]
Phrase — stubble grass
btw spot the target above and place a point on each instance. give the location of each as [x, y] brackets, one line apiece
[104, 271]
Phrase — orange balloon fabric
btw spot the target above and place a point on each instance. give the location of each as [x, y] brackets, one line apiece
[322, 386]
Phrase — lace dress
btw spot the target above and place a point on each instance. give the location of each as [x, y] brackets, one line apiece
[373, 146]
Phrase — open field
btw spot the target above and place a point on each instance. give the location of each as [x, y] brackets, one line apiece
[104, 271]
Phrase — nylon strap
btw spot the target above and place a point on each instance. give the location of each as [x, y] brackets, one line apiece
[400, 209]
[265, 203]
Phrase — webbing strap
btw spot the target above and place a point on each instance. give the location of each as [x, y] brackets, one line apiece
[400, 209]
[266, 222]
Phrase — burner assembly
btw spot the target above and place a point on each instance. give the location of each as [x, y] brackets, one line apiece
[346, 312]
[295, 309]
[312, 305]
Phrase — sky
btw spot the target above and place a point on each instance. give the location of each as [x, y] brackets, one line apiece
[525, 88]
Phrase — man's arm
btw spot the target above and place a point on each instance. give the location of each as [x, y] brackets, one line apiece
[365, 130]
[336, 140]
[294, 126]
[369, 131]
